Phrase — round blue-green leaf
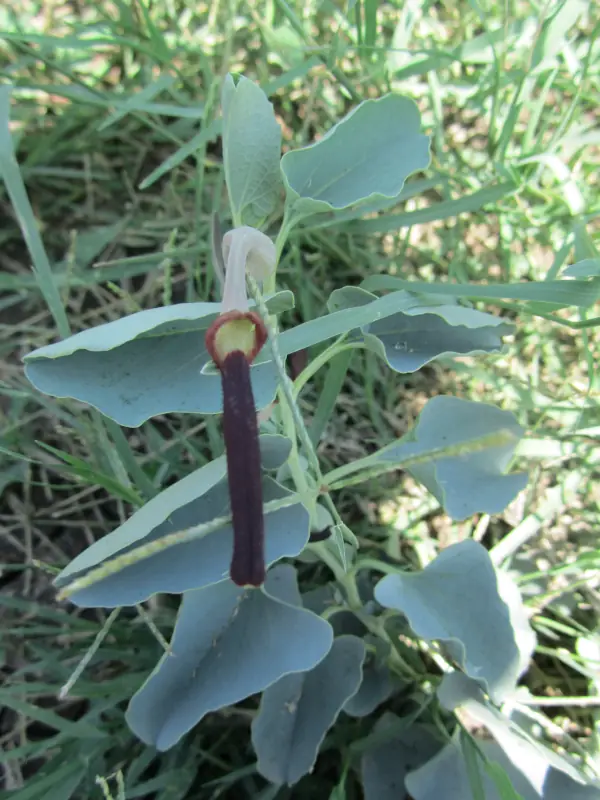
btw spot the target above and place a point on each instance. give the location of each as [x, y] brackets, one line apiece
[198, 498]
[274, 451]
[384, 766]
[296, 712]
[198, 562]
[146, 364]
[228, 644]
[375, 688]
[473, 480]
[455, 599]
[449, 769]
[537, 768]
[365, 158]
[417, 335]
[251, 152]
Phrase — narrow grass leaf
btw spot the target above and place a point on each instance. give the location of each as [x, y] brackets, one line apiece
[139, 99]
[472, 765]
[587, 268]
[80, 729]
[438, 211]
[561, 293]
[208, 133]
[87, 474]
[9, 169]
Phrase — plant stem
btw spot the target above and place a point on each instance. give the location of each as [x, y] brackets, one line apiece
[339, 346]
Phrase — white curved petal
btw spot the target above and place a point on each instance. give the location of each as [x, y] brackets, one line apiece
[245, 249]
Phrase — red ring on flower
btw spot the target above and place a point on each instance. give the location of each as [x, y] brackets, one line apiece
[237, 341]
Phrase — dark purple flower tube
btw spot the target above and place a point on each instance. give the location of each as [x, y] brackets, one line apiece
[240, 429]
[233, 341]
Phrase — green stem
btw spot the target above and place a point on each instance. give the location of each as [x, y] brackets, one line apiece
[339, 346]
[289, 406]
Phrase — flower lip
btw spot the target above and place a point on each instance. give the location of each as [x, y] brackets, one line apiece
[236, 331]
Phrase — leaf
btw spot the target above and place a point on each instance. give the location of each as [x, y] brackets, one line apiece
[459, 450]
[228, 644]
[384, 765]
[474, 481]
[197, 498]
[17, 192]
[207, 133]
[78, 730]
[414, 337]
[296, 712]
[251, 152]
[375, 688]
[438, 211]
[519, 619]
[91, 242]
[587, 268]
[455, 599]
[447, 769]
[502, 782]
[534, 770]
[146, 364]
[552, 36]
[366, 157]
[326, 327]
[561, 293]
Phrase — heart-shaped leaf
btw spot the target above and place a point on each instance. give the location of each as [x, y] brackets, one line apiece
[472, 481]
[296, 712]
[455, 599]
[365, 158]
[459, 450]
[535, 771]
[199, 497]
[384, 765]
[146, 364]
[346, 319]
[251, 152]
[419, 334]
[228, 644]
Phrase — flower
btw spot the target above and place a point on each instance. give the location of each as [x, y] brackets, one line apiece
[234, 340]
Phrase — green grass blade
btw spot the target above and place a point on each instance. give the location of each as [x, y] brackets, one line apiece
[207, 134]
[80, 729]
[336, 375]
[93, 477]
[9, 169]
[448, 208]
[471, 757]
[579, 293]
